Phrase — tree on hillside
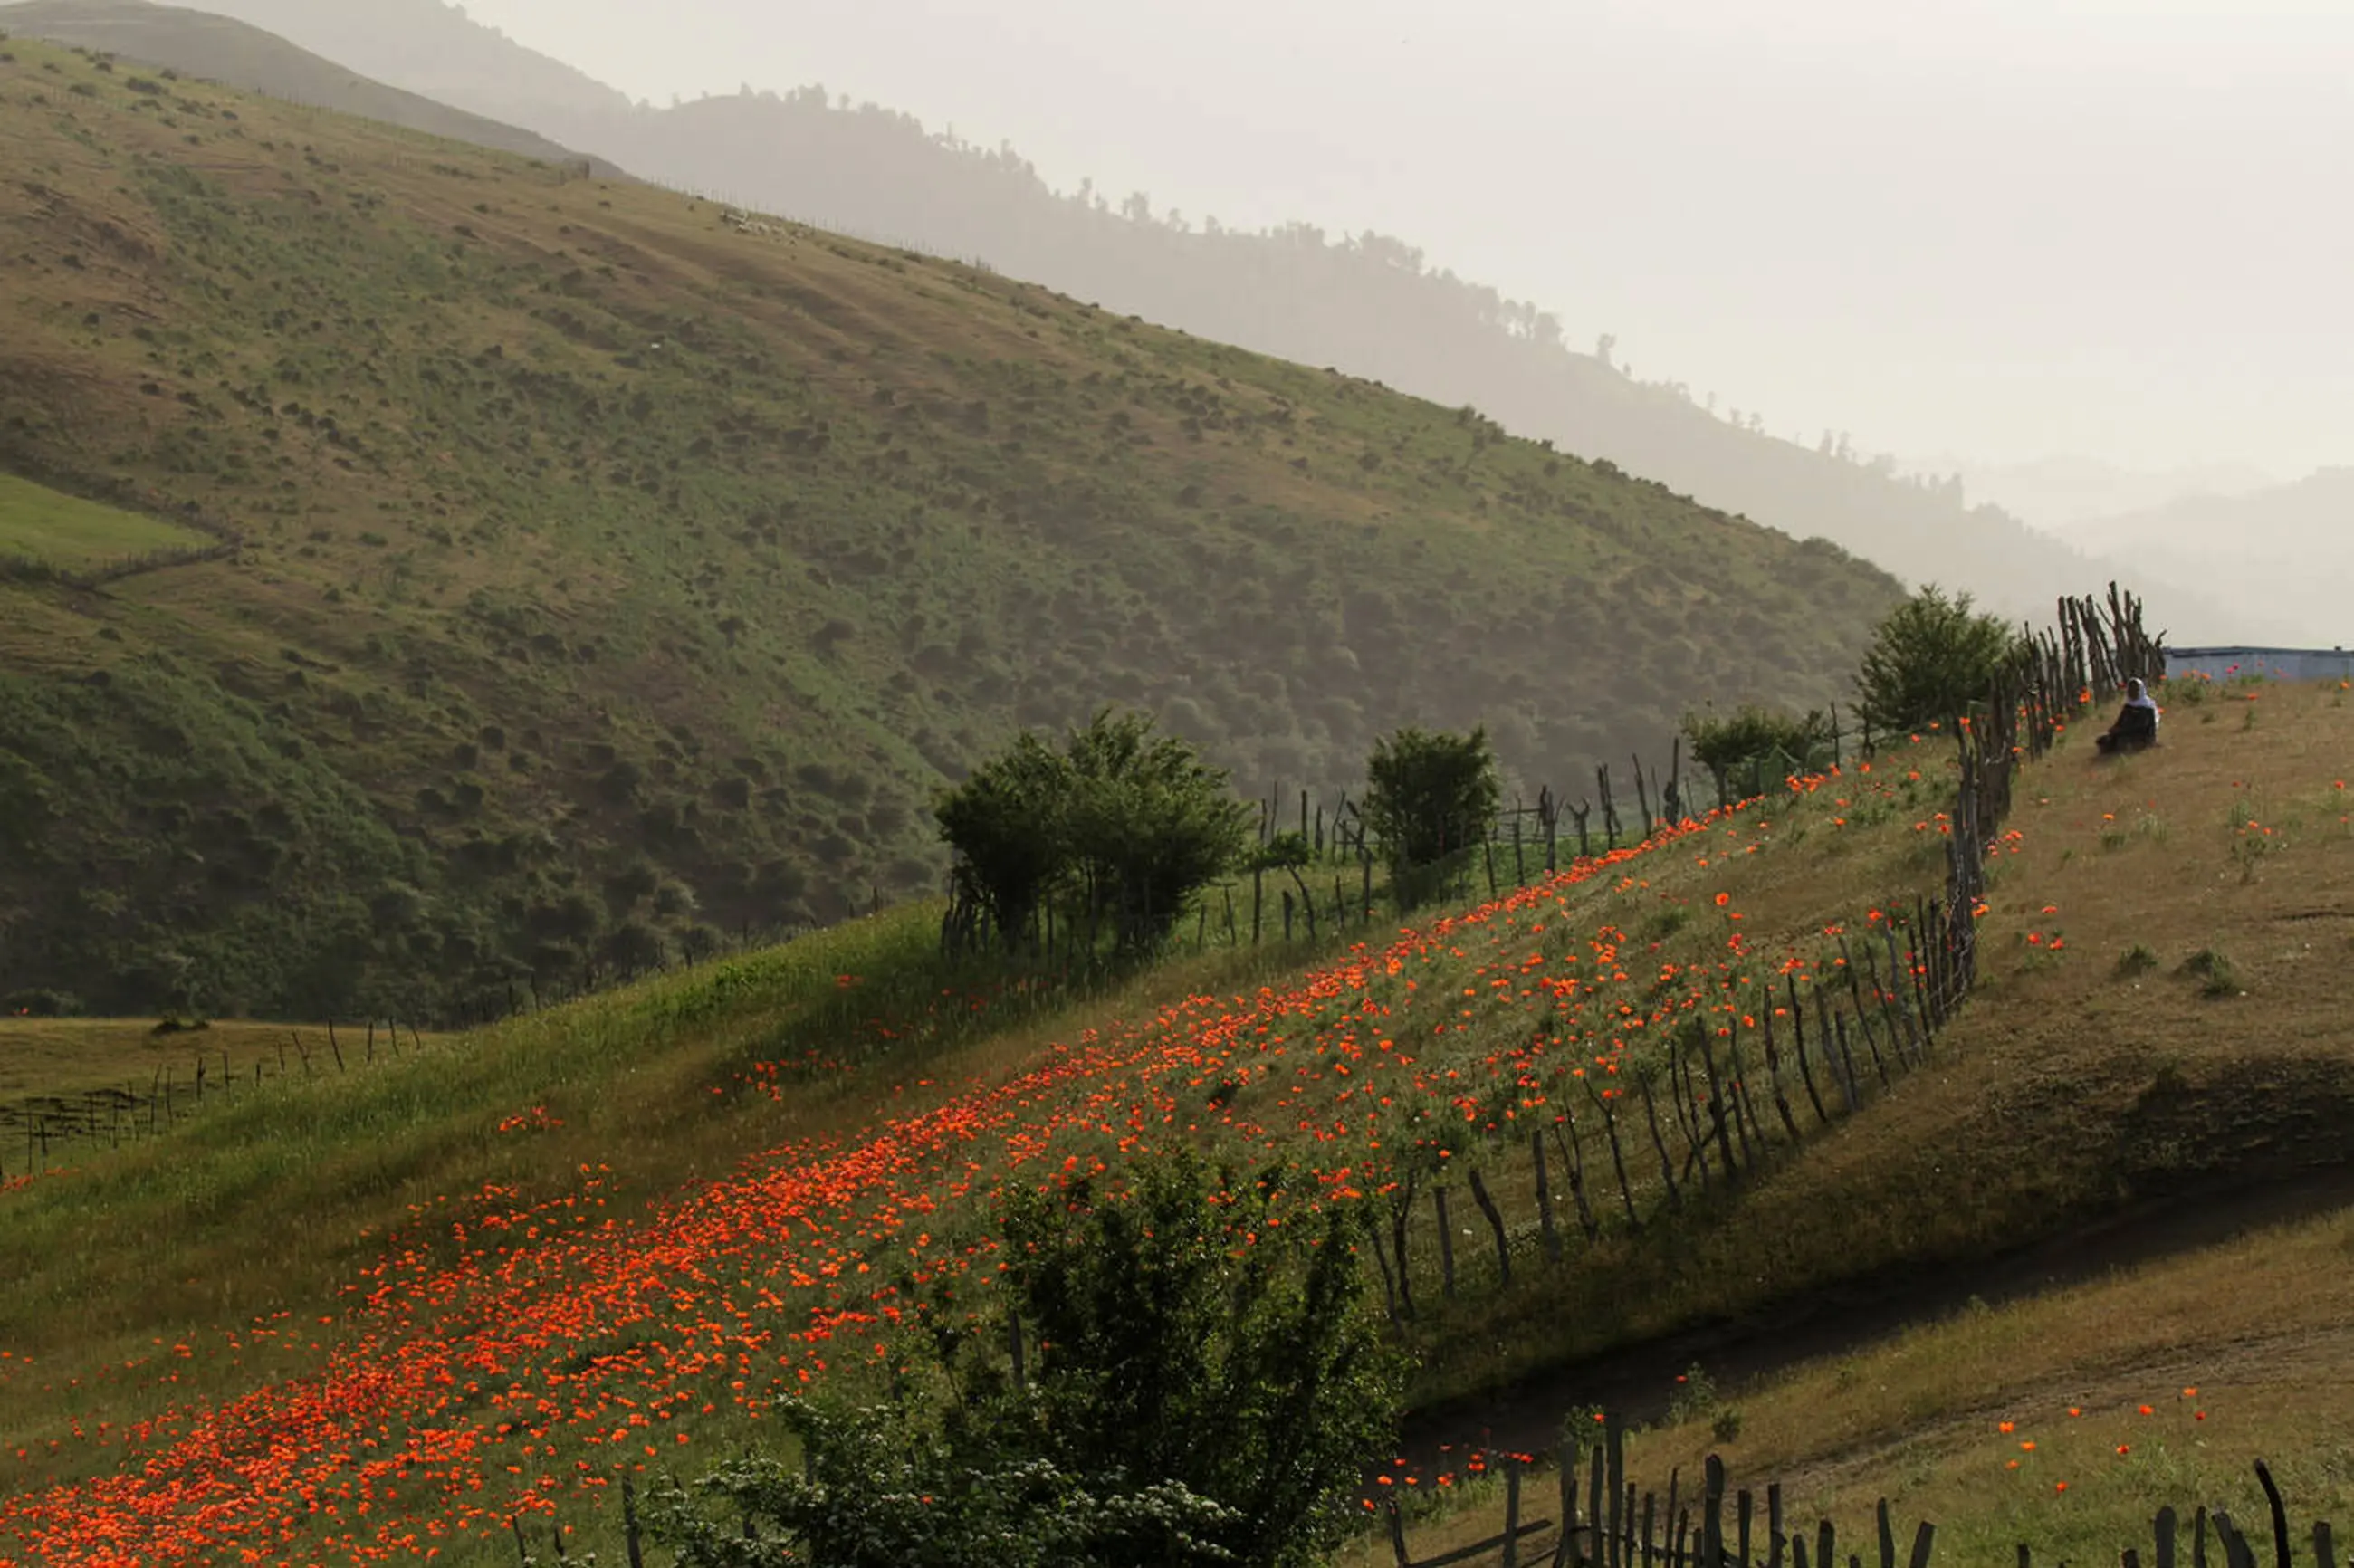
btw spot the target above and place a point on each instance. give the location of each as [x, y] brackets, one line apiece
[1008, 824]
[1930, 658]
[1208, 1383]
[1127, 825]
[1427, 795]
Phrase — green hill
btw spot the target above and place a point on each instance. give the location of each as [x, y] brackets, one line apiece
[219, 48]
[616, 573]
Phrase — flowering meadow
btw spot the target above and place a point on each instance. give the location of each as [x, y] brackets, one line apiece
[504, 1356]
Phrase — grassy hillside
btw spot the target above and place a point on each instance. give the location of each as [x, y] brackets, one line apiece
[41, 527]
[599, 1238]
[616, 574]
[222, 49]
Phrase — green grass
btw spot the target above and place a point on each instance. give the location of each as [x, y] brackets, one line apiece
[41, 524]
[614, 578]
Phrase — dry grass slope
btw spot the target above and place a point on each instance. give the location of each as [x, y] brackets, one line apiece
[2161, 1019]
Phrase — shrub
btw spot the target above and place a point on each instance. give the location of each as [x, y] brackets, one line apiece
[1208, 1386]
[1932, 658]
[41, 1001]
[1427, 795]
[2217, 979]
[1766, 741]
[1007, 825]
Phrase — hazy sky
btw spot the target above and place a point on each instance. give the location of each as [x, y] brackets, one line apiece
[2001, 228]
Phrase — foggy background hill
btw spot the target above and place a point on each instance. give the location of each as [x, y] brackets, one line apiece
[1372, 305]
[237, 54]
[2281, 555]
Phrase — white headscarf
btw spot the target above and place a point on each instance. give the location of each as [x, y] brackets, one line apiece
[2137, 696]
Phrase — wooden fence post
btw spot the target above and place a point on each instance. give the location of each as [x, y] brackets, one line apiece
[1618, 1155]
[1512, 1513]
[1716, 1102]
[630, 1522]
[1445, 1241]
[1711, 1539]
[1545, 1197]
[1806, 1070]
[1658, 1144]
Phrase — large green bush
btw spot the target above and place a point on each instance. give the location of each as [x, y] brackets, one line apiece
[1206, 1385]
[1127, 825]
[1932, 658]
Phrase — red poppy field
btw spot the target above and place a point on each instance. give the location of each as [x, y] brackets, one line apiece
[513, 1347]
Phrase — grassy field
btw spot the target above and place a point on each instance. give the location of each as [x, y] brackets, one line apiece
[619, 572]
[706, 1163]
[41, 524]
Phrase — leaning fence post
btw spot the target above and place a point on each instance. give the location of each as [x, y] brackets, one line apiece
[2279, 1513]
[1397, 1532]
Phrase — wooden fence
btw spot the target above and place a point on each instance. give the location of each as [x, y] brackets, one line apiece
[50, 1126]
[1617, 1527]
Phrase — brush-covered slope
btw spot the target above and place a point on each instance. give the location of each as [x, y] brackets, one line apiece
[222, 49]
[615, 573]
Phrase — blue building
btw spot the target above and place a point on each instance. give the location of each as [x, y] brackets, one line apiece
[2273, 664]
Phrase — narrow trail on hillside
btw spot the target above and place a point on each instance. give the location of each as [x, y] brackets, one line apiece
[1639, 1380]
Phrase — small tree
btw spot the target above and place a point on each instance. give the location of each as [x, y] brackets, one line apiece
[1930, 658]
[1427, 794]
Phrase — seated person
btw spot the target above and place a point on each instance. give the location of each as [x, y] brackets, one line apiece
[2136, 725]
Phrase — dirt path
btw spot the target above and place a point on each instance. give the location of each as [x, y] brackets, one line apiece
[1639, 1380]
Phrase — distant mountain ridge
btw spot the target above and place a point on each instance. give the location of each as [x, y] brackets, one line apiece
[239, 54]
[2282, 559]
[1366, 304]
